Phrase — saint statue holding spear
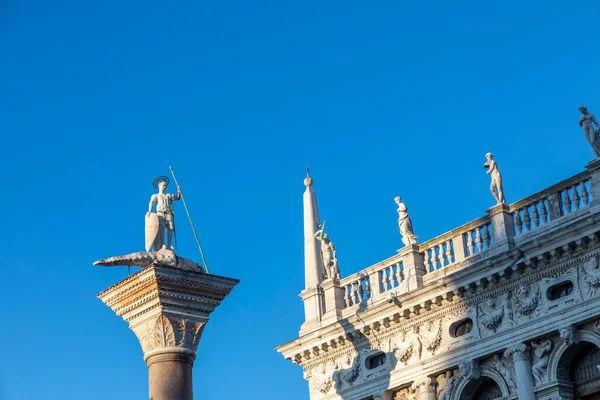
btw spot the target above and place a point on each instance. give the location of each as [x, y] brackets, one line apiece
[163, 219]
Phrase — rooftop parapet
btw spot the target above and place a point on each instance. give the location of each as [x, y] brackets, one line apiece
[505, 227]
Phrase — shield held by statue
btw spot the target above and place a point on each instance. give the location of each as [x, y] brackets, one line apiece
[151, 229]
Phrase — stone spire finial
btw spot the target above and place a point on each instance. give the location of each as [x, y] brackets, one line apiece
[308, 181]
[312, 257]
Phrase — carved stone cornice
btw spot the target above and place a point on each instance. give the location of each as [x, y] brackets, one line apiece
[167, 308]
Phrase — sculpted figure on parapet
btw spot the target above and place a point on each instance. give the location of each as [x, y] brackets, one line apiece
[405, 224]
[496, 184]
[587, 122]
[328, 254]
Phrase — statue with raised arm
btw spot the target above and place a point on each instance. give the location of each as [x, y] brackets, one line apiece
[328, 254]
[587, 122]
[156, 223]
[496, 184]
[404, 223]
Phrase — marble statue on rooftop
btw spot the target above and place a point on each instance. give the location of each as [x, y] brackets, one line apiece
[328, 254]
[156, 223]
[587, 122]
[405, 224]
[496, 184]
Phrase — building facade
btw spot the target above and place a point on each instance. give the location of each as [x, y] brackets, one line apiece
[503, 307]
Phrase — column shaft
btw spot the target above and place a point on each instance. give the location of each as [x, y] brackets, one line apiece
[170, 376]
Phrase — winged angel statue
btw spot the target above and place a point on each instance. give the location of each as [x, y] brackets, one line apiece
[162, 253]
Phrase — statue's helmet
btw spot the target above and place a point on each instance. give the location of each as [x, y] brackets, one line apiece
[582, 108]
[160, 179]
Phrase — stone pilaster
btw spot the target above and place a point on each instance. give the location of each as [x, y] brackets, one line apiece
[167, 309]
[413, 269]
[503, 228]
[425, 388]
[521, 355]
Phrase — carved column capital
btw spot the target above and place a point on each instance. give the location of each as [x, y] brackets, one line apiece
[569, 334]
[168, 333]
[520, 352]
[423, 384]
[167, 308]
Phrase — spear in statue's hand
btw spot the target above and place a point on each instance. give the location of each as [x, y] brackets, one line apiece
[190, 218]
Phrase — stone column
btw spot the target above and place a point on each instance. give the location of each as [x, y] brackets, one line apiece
[522, 362]
[167, 309]
[426, 388]
[413, 269]
[503, 228]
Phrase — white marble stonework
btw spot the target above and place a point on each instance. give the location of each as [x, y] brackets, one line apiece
[503, 307]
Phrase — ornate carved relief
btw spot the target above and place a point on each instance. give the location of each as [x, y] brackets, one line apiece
[495, 313]
[445, 384]
[527, 301]
[406, 394]
[431, 336]
[591, 276]
[506, 369]
[469, 369]
[406, 347]
[165, 332]
[541, 351]
[320, 379]
[569, 334]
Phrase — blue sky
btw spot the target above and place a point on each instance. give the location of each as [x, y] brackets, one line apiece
[381, 99]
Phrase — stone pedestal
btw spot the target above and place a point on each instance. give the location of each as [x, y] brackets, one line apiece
[522, 362]
[413, 268]
[503, 228]
[167, 309]
[334, 300]
[594, 168]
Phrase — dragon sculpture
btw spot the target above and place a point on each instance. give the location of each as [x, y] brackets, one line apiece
[163, 257]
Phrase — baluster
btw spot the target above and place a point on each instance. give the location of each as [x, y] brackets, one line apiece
[527, 218]
[567, 200]
[576, 197]
[367, 287]
[535, 214]
[518, 222]
[442, 255]
[486, 236]
[356, 296]
[543, 211]
[449, 252]
[478, 239]
[436, 257]
[347, 295]
[584, 194]
[386, 278]
[470, 243]
[361, 290]
[426, 260]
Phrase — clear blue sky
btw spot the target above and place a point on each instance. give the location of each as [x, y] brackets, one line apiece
[381, 98]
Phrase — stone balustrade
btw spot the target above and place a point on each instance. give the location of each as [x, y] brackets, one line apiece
[554, 202]
[474, 238]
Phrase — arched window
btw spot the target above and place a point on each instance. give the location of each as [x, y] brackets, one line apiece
[461, 328]
[560, 290]
[376, 360]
